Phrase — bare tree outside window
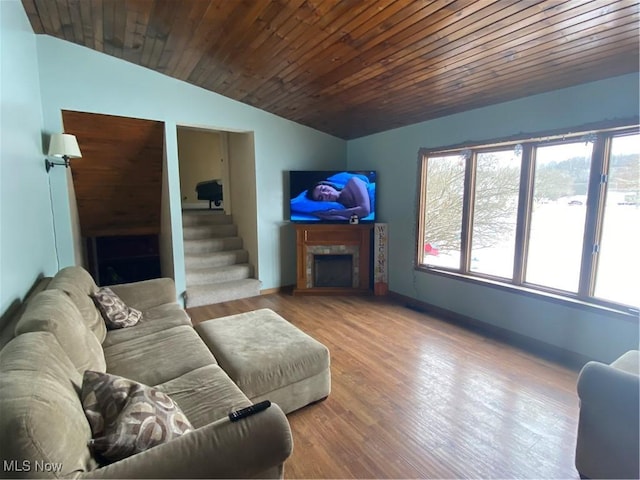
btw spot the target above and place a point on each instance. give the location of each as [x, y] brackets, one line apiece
[558, 215]
[497, 183]
[495, 212]
[443, 212]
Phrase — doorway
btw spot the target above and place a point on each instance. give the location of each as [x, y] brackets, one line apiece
[204, 178]
[117, 195]
[230, 157]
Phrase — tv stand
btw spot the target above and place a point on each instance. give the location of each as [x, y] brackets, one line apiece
[333, 259]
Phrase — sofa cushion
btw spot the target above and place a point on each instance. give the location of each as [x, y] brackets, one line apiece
[41, 417]
[53, 311]
[115, 312]
[205, 394]
[79, 285]
[153, 320]
[127, 417]
[10, 317]
[147, 294]
[158, 357]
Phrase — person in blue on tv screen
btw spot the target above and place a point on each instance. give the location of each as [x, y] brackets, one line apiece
[354, 196]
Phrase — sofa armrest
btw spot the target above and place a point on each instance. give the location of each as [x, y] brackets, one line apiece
[147, 293]
[607, 440]
[242, 449]
[610, 388]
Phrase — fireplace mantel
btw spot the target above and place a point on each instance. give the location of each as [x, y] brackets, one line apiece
[333, 239]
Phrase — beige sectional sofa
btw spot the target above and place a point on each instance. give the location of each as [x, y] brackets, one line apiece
[44, 431]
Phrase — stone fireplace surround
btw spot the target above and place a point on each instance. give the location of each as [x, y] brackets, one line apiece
[333, 239]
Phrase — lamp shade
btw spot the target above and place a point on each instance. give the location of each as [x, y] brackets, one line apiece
[64, 145]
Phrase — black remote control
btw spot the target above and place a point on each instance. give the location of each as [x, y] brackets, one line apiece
[247, 411]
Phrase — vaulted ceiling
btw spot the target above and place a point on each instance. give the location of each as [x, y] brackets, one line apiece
[355, 67]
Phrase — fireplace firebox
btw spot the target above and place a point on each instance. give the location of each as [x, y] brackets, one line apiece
[333, 271]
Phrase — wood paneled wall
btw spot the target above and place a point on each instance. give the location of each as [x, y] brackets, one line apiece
[118, 180]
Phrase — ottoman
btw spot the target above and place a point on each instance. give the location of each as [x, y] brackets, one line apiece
[269, 358]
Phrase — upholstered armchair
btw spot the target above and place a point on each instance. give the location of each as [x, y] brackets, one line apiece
[607, 444]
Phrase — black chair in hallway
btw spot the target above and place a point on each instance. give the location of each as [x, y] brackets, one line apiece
[210, 190]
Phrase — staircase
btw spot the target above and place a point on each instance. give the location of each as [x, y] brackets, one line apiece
[217, 268]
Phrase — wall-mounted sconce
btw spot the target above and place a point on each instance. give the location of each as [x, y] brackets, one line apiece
[62, 145]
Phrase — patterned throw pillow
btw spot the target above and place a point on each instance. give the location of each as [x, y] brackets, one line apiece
[127, 417]
[115, 312]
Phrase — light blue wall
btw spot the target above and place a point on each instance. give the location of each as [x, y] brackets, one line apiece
[394, 154]
[77, 78]
[26, 231]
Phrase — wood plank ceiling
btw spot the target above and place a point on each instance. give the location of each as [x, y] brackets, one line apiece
[356, 67]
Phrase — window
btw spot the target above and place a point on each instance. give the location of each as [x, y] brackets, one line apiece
[495, 209]
[559, 215]
[619, 253]
[443, 210]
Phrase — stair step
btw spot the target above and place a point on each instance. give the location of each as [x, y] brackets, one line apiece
[208, 245]
[204, 276]
[215, 259]
[198, 232]
[205, 217]
[216, 266]
[222, 292]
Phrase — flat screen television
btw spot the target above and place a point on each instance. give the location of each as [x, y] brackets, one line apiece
[332, 196]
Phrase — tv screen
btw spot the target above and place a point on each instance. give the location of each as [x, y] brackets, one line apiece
[332, 196]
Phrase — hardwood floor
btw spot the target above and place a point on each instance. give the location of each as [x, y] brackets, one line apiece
[417, 397]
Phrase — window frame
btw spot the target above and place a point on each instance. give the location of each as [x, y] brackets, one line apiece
[594, 216]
